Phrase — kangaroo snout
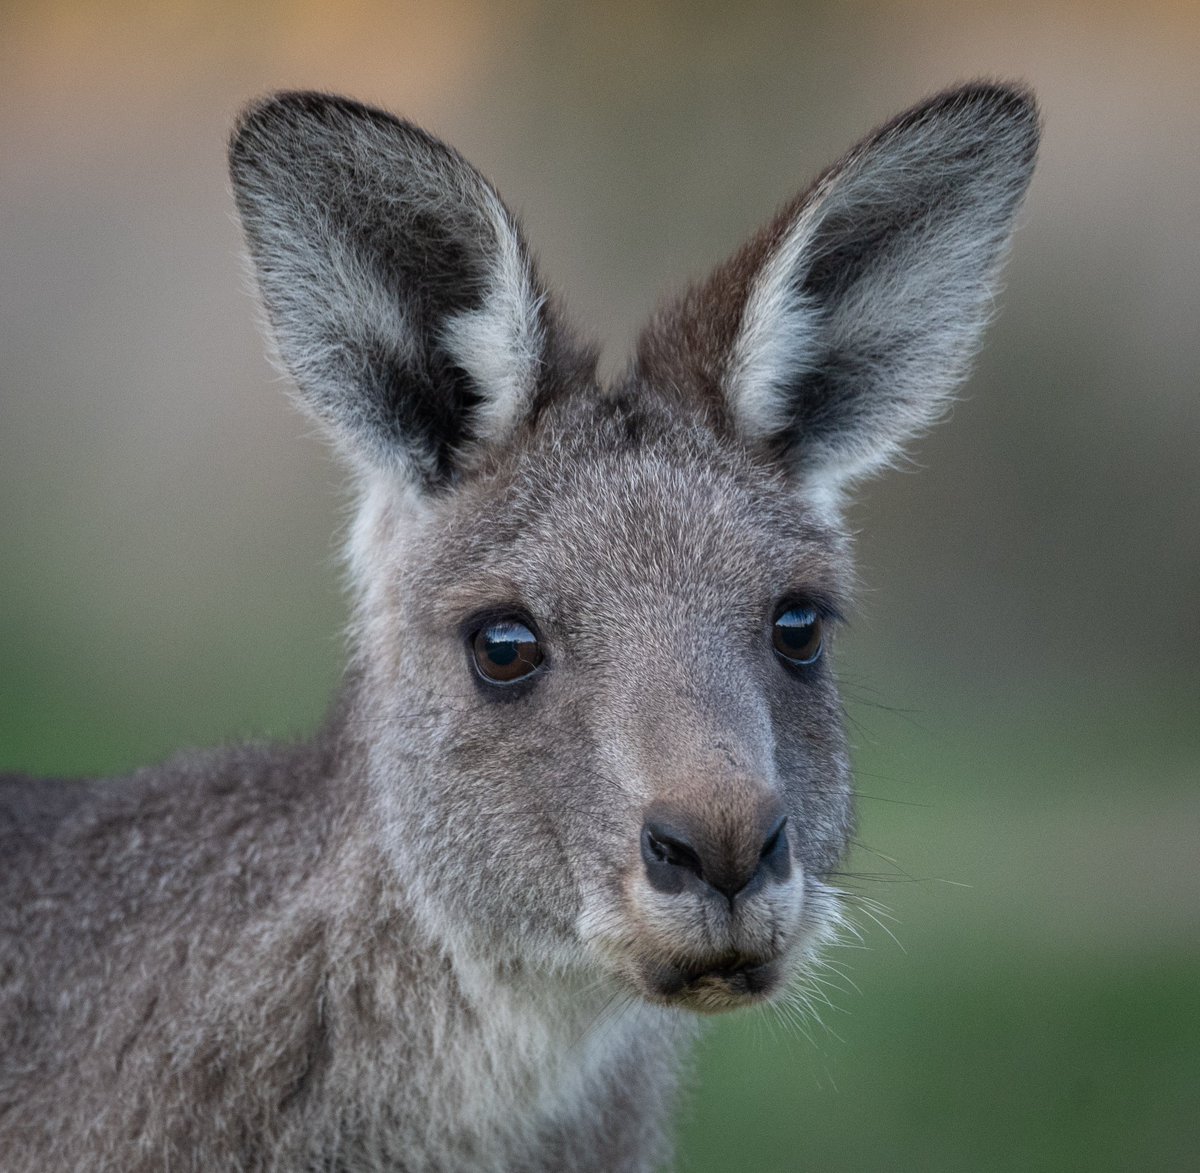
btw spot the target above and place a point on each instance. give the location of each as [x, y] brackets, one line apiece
[716, 900]
[685, 851]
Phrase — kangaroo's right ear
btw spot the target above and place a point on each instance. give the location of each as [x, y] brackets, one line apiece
[400, 294]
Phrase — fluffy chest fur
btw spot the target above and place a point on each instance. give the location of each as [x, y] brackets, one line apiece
[526, 1074]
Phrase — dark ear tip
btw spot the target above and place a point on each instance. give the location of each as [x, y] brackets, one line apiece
[260, 121]
[1001, 117]
[273, 132]
[1012, 97]
[996, 102]
[267, 119]
[291, 106]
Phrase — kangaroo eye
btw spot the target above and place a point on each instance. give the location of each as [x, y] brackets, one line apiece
[797, 635]
[505, 651]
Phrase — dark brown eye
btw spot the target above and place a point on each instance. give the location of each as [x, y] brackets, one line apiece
[797, 635]
[505, 651]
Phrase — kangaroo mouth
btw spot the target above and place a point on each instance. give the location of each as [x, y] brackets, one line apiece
[713, 987]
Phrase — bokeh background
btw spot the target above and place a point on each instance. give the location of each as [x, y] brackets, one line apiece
[1022, 672]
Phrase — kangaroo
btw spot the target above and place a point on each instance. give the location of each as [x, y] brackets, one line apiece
[587, 780]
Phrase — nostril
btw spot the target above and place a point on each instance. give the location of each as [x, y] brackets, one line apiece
[682, 853]
[774, 839]
[661, 845]
[775, 858]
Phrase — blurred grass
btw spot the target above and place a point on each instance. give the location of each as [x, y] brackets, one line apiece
[964, 1057]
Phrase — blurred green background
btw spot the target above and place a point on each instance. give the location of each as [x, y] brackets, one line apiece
[1022, 673]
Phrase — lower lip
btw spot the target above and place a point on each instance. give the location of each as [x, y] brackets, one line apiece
[737, 986]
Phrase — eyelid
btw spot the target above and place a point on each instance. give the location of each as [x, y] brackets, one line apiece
[477, 620]
[820, 604]
[806, 612]
[507, 627]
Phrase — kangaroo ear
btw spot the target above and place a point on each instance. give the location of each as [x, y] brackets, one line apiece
[841, 330]
[401, 297]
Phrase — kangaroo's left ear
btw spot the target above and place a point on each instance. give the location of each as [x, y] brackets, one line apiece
[840, 331]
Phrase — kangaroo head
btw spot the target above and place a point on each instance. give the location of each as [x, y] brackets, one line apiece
[593, 626]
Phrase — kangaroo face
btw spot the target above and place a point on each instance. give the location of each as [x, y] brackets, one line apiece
[593, 626]
[661, 789]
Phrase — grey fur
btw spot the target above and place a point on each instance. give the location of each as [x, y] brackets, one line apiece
[427, 940]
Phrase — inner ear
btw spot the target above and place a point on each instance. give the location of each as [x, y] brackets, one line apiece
[432, 417]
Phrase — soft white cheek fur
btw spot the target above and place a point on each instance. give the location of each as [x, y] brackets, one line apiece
[391, 512]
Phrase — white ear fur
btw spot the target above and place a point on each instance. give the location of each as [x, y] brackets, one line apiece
[778, 342]
[501, 345]
[872, 300]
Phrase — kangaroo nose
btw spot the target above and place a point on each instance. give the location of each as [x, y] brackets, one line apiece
[682, 852]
